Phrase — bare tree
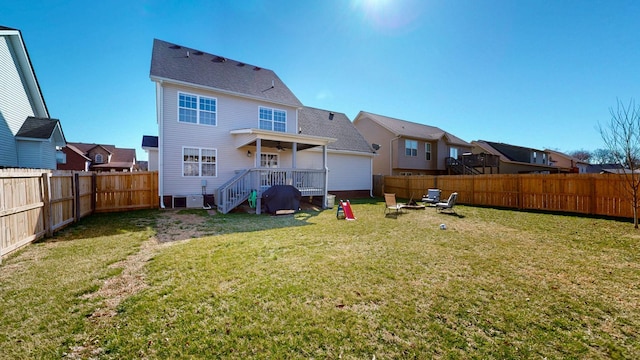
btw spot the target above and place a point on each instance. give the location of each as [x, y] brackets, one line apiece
[583, 155]
[621, 136]
[602, 156]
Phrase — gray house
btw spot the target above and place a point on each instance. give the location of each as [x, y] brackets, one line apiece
[514, 159]
[226, 128]
[29, 138]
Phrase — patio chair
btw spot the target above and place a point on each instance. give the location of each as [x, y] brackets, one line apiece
[449, 204]
[432, 197]
[391, 204]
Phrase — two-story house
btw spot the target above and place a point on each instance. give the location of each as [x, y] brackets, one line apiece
[98, 157]
[408, 148]
[228, 128]
[29, 138]
[515, 159]
[567, 163]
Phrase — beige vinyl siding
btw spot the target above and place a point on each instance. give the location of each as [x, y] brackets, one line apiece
[232, 113]
[14, 103]
[376, 134]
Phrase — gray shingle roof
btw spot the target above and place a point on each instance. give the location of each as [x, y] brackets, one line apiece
[336, 125]
[37, 128]
[413, 130]
[171, 61]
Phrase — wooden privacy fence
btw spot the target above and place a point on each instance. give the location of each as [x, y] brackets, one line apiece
[37, 203]
[594, 194]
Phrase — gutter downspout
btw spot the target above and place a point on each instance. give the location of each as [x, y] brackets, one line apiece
[160, 117]
[371, 178]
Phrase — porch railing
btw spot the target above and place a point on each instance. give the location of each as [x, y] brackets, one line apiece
[309, 182]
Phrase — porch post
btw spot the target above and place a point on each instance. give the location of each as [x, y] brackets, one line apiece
[256, 181]
[294, 150]
[326, 175]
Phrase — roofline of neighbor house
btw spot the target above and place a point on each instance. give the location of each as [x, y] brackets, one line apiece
[160, 80]
[410, 136]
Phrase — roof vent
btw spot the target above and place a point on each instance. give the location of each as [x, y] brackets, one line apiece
[175, 47]
[197, 52]
[240, 64]
[331, 116]
[219, 59]
[256, 68]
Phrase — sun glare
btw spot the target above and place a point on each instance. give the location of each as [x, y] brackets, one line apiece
[389, 14]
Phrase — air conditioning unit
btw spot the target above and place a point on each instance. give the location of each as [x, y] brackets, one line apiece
[194, 201]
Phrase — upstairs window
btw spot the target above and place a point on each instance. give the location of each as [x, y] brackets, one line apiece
[427, 151]
[99, 159]
[196, 109]
[411, 148]
[273, 119]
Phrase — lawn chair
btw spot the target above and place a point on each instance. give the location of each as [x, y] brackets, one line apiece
[442, 206]
[432, 197]
[391, 204]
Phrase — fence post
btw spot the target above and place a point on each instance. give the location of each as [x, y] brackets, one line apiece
[46, 208]
[94, 192]
[76, 196]
[592, 195]
[473, 189]
[520, 196]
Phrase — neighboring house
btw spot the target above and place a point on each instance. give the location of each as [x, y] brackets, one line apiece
[566, 163]
[150, 146]
[605, 169]
[98, 157]
[29, 138]
[227, 127]
[515, 159]
[408, 148]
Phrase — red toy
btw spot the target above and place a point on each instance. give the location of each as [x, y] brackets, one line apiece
[345, 211]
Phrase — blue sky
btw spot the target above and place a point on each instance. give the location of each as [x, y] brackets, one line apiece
[540, 74]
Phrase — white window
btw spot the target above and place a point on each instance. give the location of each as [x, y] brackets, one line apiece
[427, 151]
[99, 159]
[269, 160]
[272, 119]
[411, 147]
[453, 152]
[199, 162]
[196, 109]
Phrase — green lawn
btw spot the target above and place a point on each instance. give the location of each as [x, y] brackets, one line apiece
[496, 284]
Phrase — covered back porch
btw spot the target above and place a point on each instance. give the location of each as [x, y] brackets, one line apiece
[310, 182]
